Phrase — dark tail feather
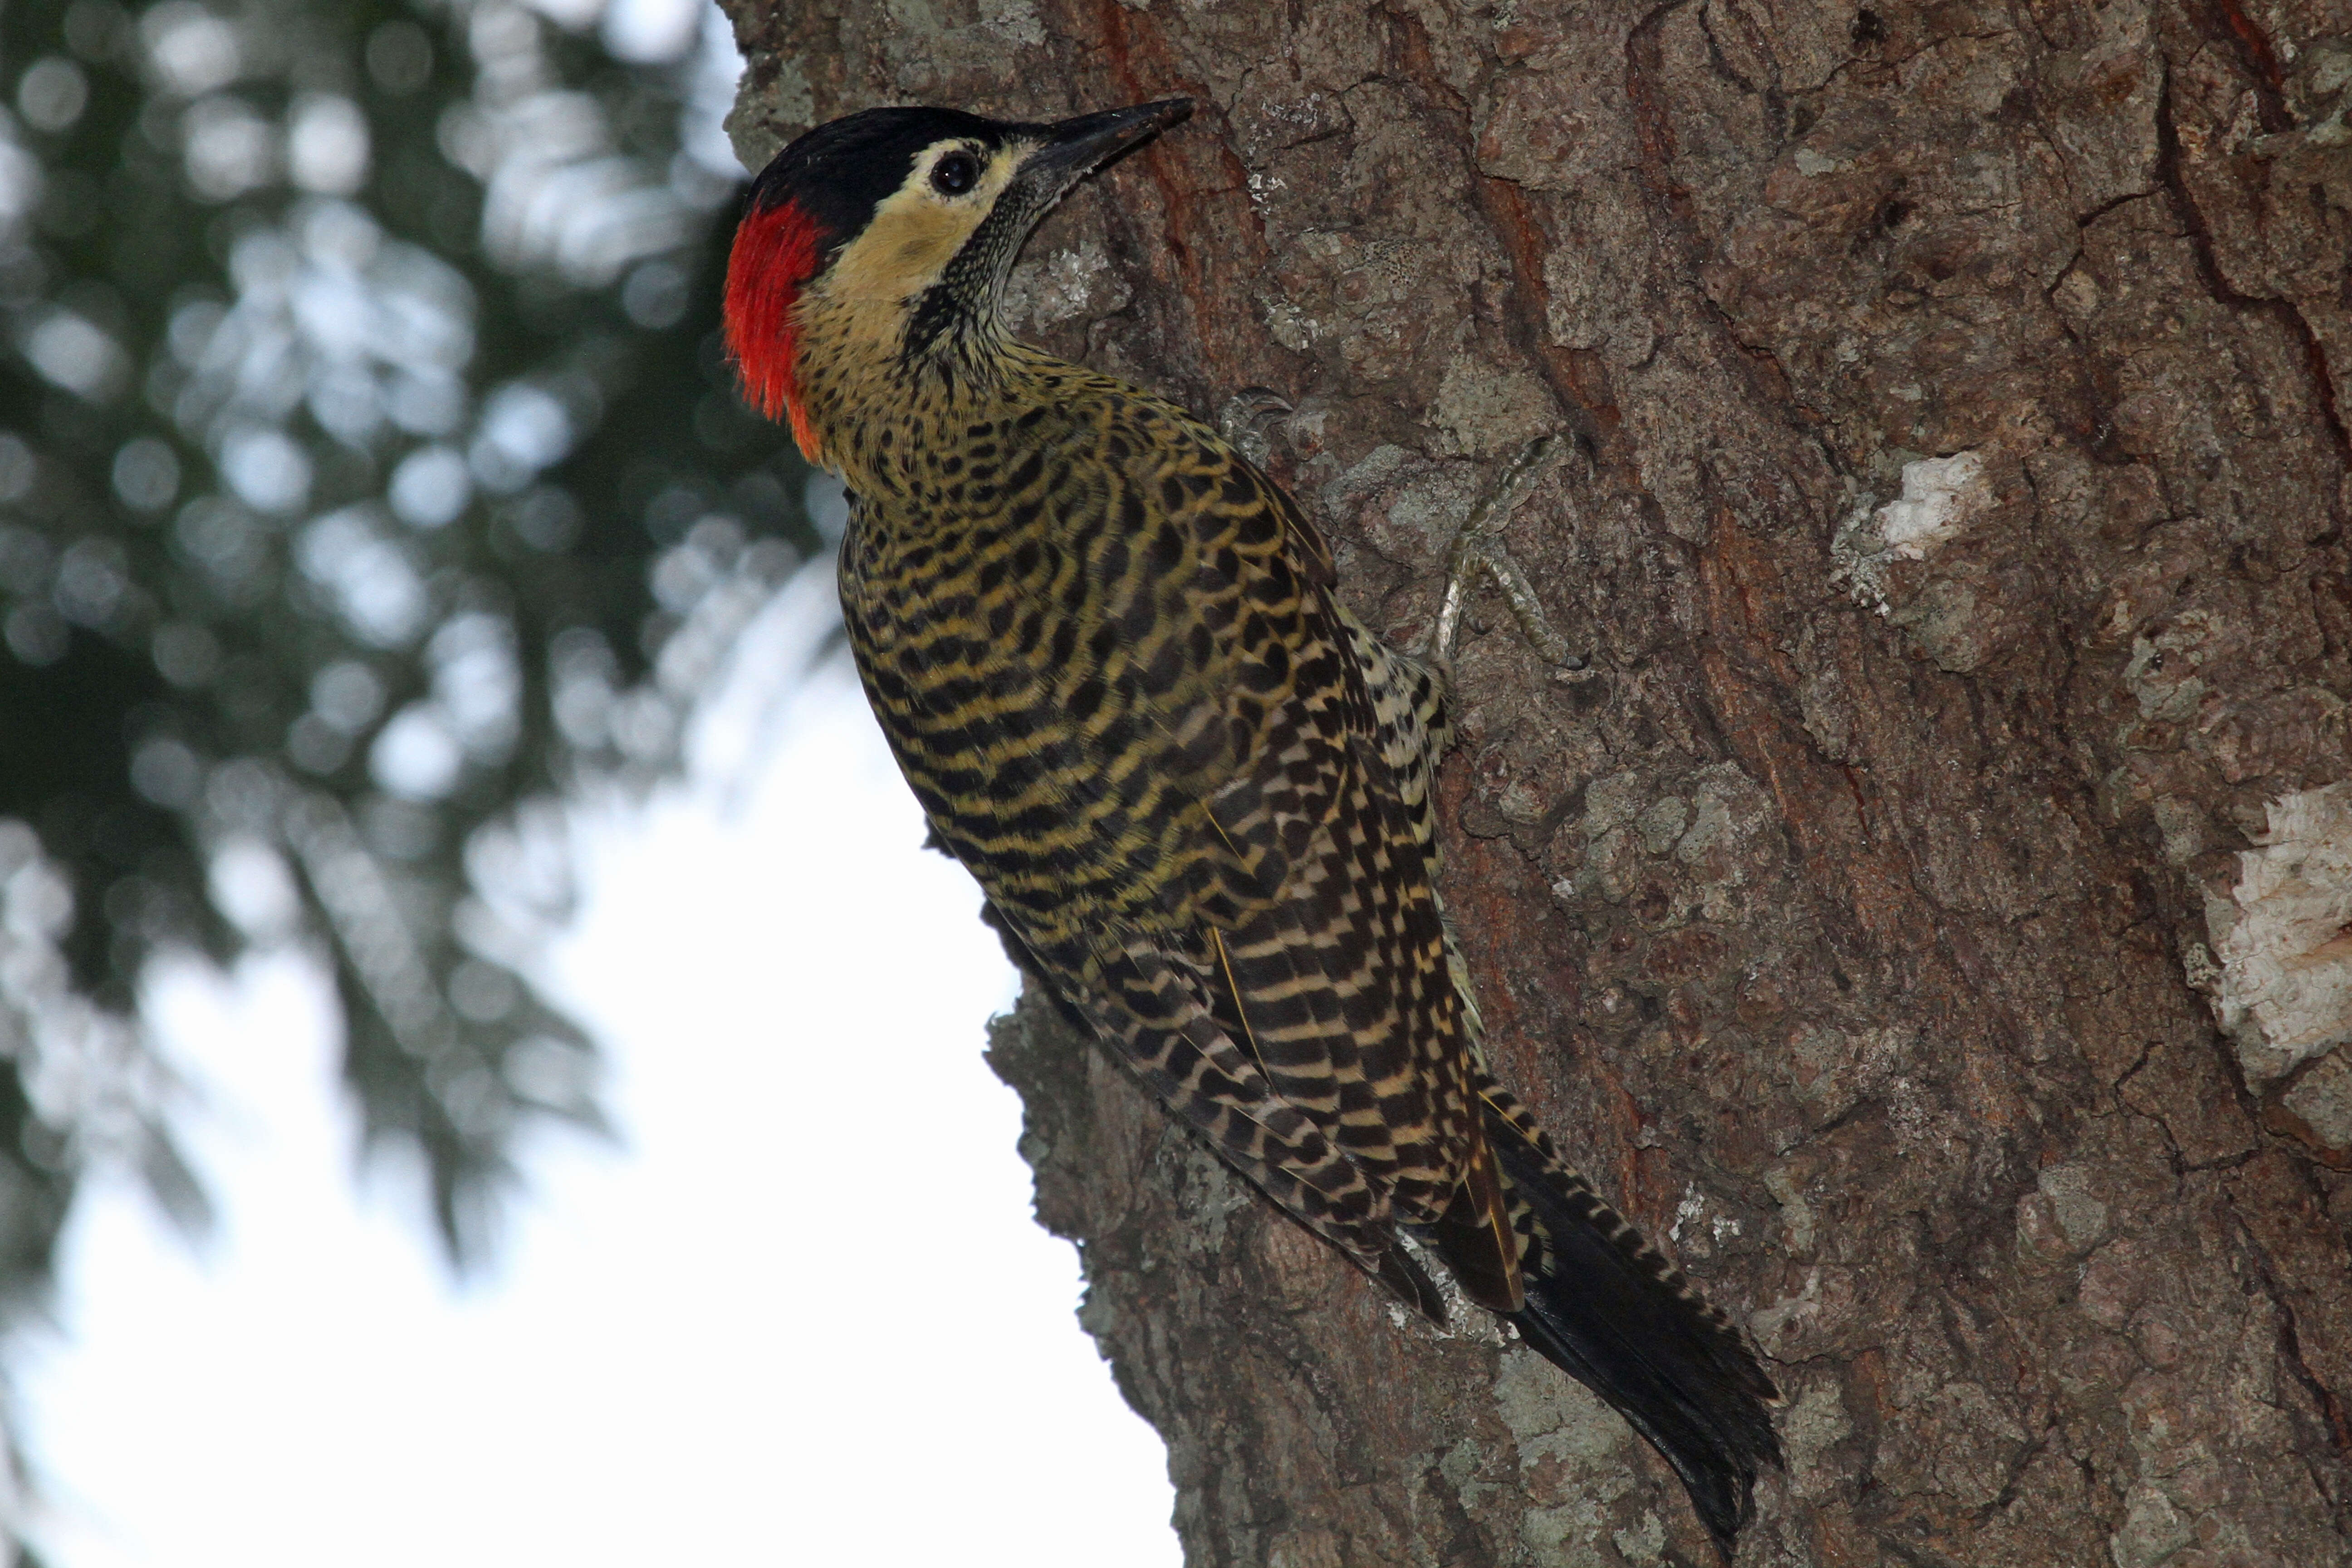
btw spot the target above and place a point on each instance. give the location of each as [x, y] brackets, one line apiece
[1618, 1318]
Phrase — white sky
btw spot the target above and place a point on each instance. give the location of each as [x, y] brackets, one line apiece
[803, 1317]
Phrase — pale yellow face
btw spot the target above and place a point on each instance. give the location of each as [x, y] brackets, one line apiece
[915, 233]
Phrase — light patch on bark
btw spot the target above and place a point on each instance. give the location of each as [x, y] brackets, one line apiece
[1646, 1542]
[1796, 1213]
[1460, 1468]
[760, 124]
[2321, 92]
[1694, 1204]
[2285, 952]
[1428, 511]
[1769, 1326]
[2080, 1214]
[1575, 313]
[1344, 493]
[1063, 286]
[1661, 825]
[1614, 800]
[1941, 497]
[2322, 1100]
[2163, 676]
[1815, 1424]
[1483, 408]
[1015, 21]
[2153, 1530]
[1551, 1415]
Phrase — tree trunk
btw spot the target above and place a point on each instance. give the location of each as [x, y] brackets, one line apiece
[1925, 919]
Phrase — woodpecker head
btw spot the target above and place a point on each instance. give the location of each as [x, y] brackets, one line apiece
[890, 232]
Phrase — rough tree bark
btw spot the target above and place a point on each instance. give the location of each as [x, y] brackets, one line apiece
[1920, 919]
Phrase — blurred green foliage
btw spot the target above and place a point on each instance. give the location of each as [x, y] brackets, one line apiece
[369, 471]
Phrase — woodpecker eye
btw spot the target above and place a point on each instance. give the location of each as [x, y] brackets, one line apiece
[955, 174]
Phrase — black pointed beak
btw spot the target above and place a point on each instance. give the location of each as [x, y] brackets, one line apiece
[1076, 148]
[1067, 150]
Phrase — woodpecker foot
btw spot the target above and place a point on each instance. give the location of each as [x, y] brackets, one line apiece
[1248, 421]
[1480, 545]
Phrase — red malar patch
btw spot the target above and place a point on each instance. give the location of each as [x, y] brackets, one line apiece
[775, 254]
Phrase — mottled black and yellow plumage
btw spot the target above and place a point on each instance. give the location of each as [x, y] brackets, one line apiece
[1198, 794]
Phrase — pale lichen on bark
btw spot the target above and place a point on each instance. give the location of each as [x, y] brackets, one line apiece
[1879, 941]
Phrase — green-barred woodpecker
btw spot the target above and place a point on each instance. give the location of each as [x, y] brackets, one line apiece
[1197, 792]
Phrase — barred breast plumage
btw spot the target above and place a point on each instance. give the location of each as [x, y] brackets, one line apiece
[1104, 650]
